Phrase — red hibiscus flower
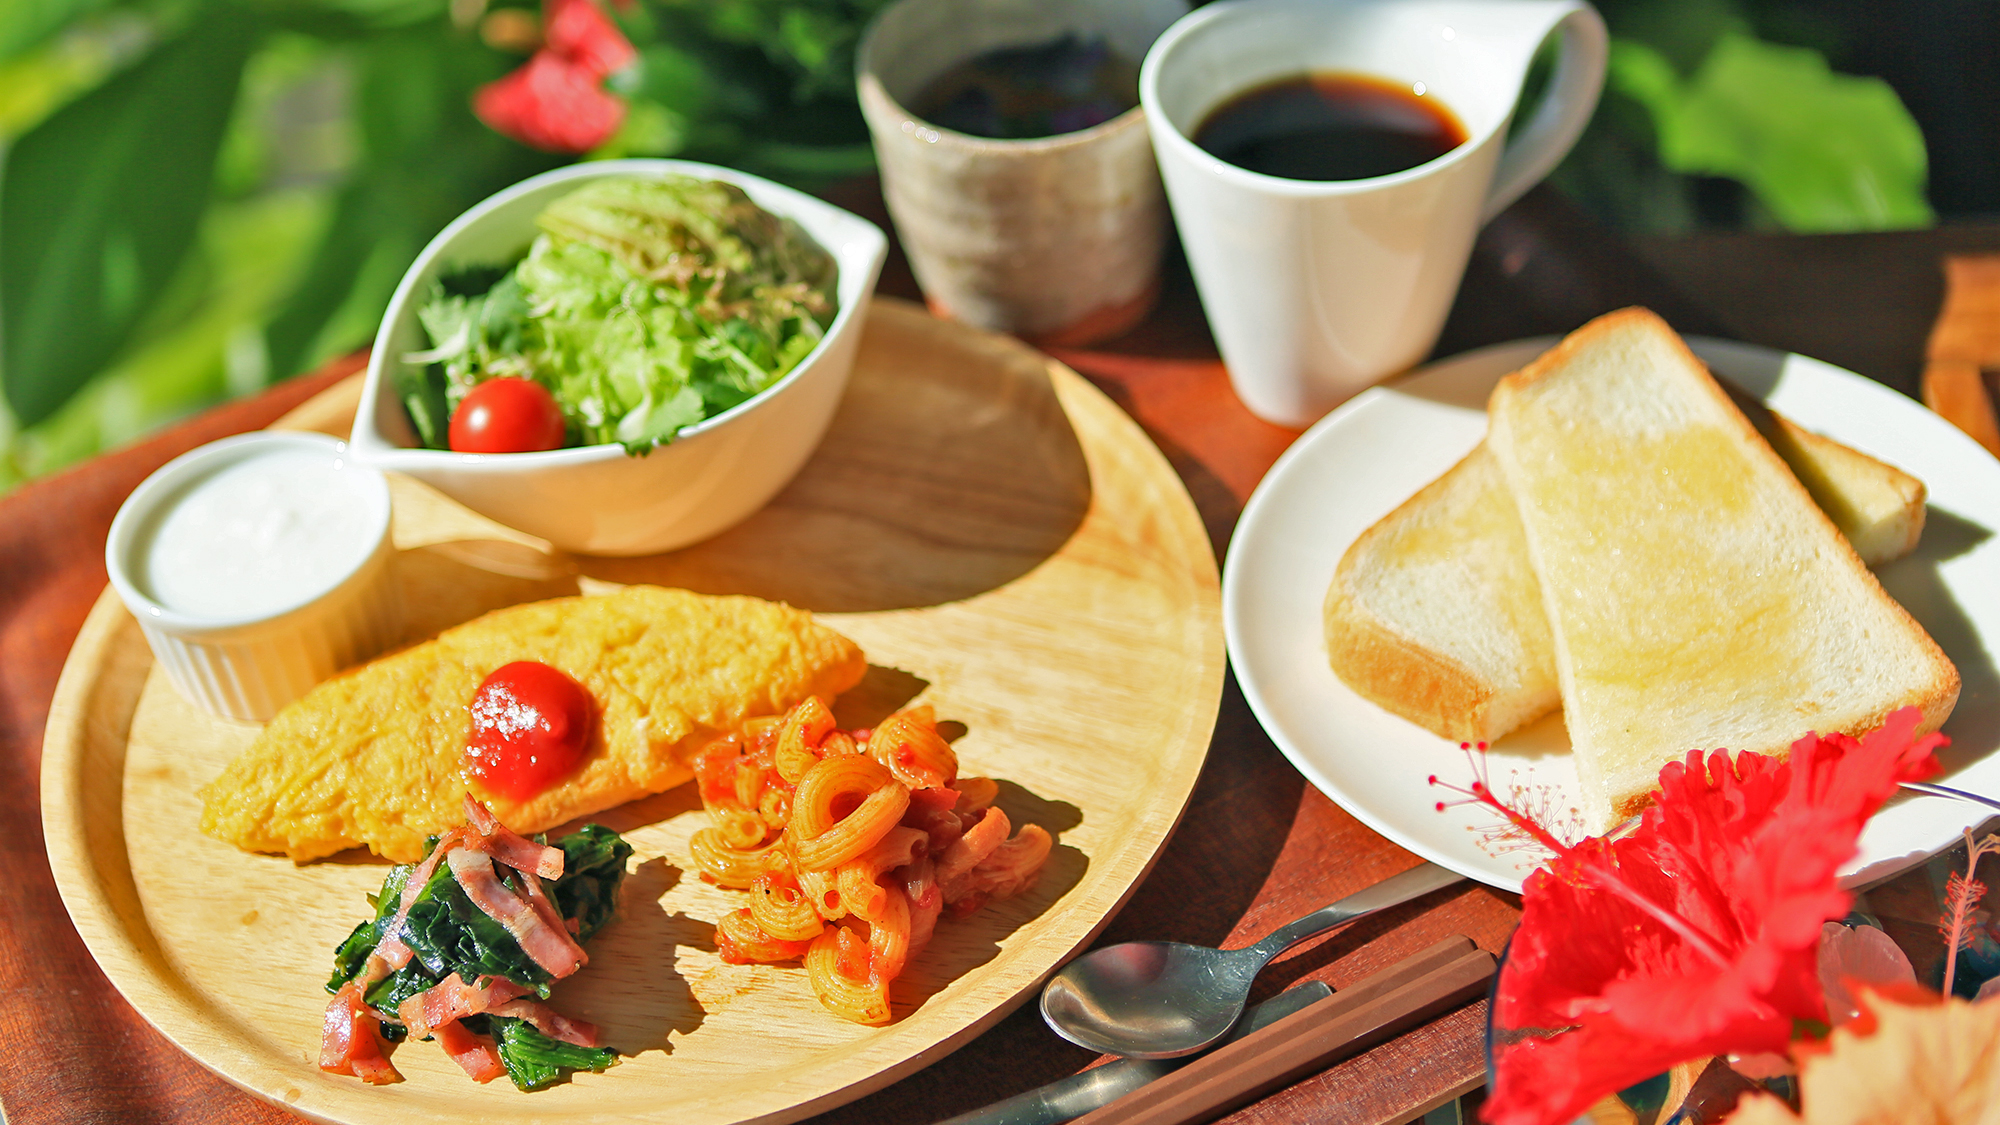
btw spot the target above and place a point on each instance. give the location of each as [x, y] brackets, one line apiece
[557, 101]
[1696, 935]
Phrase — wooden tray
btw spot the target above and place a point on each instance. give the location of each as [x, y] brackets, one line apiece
[1004, 543]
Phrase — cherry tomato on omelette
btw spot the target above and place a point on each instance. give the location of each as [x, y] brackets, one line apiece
[529, 726]
[507, 416]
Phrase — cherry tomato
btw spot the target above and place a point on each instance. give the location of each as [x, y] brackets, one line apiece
[529, 726]
[507, 416]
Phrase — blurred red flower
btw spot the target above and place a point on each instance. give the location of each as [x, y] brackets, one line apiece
[556, 101]
[1696, 935]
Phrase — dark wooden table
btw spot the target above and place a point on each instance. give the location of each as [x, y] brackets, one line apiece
[1258, 845]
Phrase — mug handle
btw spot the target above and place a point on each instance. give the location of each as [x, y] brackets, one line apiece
[1571, 98]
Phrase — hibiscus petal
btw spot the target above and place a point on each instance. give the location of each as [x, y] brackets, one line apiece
[551, 103]
[1536, 1081]
[1699, 933]
[1911, 1057]
[580, 32]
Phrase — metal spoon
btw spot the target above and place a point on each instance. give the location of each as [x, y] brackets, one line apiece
[1923, 788]
[1164, 999]
[1930, 790]
[1066, 1098]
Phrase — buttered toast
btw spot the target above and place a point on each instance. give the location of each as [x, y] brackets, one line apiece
[1434, 613]
[1696, 596]
[1878, 507]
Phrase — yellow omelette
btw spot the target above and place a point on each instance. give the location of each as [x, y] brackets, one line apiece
[373, 757]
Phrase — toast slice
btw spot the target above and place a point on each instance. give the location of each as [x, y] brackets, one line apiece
[1878, 507]
[1434, 613]
[1697, 597]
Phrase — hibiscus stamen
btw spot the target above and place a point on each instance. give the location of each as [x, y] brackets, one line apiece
[1585, 861]
[1961, 893]
[1481, 793]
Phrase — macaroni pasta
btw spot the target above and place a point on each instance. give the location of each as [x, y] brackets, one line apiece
[851, 844]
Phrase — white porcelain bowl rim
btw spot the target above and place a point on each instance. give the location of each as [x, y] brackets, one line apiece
[378, 450]
[169, 478]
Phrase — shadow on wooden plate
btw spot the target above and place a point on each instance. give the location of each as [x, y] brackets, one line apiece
[950, 470]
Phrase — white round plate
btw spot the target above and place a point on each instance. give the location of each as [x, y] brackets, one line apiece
[1370, 455]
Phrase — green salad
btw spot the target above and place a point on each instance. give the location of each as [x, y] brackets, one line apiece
[643, 306]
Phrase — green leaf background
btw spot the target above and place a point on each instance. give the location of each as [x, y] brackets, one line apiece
[198, 197]
[1821, 151]
[100, 205]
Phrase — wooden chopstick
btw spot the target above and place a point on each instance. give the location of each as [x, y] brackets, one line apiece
[1406, 994]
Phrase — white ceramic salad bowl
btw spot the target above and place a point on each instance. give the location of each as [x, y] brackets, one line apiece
[598, 499]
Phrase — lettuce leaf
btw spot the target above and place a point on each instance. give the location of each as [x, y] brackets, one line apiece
[645, 306]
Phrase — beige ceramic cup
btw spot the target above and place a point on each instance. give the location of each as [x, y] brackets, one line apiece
[1056, 239]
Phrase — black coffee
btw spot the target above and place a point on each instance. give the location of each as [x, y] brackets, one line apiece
[1069, 83]
[1330, 126]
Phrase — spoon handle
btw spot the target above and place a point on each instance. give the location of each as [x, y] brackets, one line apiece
[1071, 1097]
[1393, 891]
[1931, 790]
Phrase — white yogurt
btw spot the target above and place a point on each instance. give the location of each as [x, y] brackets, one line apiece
[263, 534]
[258, 566]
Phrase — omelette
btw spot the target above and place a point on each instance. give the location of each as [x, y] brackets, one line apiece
[374, 756]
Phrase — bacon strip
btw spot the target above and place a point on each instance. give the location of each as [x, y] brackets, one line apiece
[545, 907]
[375, 1069]
[348, 1041]
[339, 1031]
[453, 999]
[550, 1022]
[474, 1054]
[390, 954]
[551, 947]
[508, 846]
[422, 875]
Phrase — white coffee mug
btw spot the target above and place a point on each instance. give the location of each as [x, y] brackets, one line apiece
[1318, 289]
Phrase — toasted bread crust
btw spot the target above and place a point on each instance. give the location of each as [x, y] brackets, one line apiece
[1386, 667]
[1878, 539]
[1379, 647]
[1400, 676]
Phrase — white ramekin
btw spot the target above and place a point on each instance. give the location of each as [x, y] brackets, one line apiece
[246, 667]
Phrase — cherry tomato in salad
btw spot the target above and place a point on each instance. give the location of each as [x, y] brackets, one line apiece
[507, 416]
[529, 726]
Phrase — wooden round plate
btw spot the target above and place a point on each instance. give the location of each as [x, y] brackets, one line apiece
[1002, 541]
